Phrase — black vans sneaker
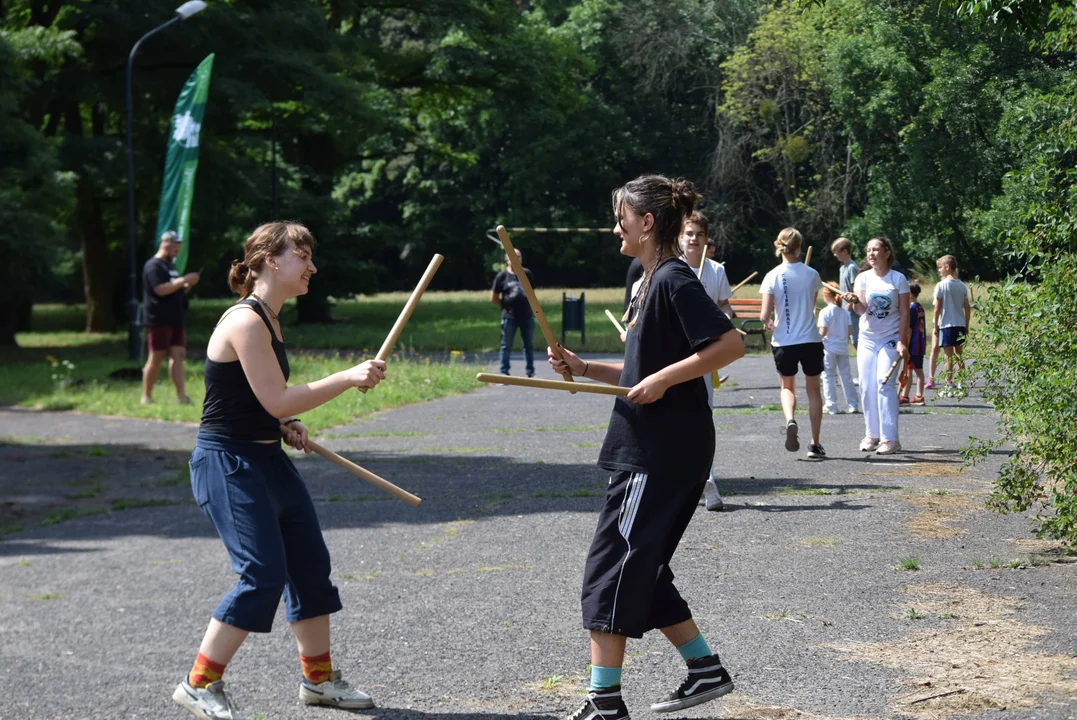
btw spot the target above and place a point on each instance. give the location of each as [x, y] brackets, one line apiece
[602, 704]
[706, 680]
[816, 452]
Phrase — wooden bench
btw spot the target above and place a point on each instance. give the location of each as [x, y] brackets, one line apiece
[747, 312]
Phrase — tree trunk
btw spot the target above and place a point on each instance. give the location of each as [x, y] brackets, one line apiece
[96, 275]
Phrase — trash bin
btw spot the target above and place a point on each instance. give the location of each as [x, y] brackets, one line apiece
[572, 317]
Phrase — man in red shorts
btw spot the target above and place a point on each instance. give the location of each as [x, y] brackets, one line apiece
[163, 292]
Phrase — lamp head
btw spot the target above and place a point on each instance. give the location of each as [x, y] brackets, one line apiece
[187, 9]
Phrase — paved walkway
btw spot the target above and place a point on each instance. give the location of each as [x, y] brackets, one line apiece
[468, 606]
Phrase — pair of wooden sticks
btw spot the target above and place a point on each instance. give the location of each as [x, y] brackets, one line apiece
[383, 354]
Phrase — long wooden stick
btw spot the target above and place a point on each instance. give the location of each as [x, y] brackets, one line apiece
[807, 256]
[362, 473]
[891, 370]
[742, 282]
[834, 287]
[552, 384]
[613, 319]
[409, 307]
[521, 276]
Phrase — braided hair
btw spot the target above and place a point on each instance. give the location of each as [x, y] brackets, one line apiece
[669, 202]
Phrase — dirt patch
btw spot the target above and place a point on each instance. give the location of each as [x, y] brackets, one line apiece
[925, 469]
[977, 656]
[938, 512]
[1050, 550]
[740, 707]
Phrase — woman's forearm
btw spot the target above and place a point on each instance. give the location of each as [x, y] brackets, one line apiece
[609, 373]
[727, 348]
[299, 399]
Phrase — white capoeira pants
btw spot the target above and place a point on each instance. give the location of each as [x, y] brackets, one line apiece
[836, 366]
[709, 380]
[878, 402]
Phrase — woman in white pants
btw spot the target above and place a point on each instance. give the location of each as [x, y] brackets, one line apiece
[881, 296]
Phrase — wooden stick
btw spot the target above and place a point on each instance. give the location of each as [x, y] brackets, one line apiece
[595, 388]
[807, 256]
[613, 319]
[362, 473]
[521, 276]
[834, 287]
[702, 262]
[742, 282]
[409, 307]
[891, 370]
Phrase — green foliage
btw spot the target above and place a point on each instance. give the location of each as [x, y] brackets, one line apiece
[1024, 355]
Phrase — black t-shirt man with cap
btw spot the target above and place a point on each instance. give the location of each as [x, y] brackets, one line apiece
[163, 305]
[515, 313]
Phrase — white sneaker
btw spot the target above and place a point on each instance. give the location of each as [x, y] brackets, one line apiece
[208, 703]
[868, 444]
[889, 447]
[852, 410]
[336, 692]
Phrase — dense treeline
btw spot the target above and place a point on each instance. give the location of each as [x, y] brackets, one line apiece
[398, 128]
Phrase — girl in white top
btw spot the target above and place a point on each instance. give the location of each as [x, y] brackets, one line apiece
[789, 293]
[881, 296]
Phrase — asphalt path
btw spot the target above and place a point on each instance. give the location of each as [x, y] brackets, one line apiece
[467, 608]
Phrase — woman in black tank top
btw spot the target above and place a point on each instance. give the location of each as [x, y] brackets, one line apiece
[248, 487]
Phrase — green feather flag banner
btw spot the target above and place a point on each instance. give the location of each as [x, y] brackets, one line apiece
[177, 187]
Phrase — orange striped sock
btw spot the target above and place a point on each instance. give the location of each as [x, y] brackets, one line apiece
[204, 672]
[316, 669]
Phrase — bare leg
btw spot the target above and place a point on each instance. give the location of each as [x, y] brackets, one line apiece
[150, 372]
[919, 383]
[176, 355]
[815, 406]
[608, 650]
[221, 641]
[312, 635]
[949, 351]
[682, 632]
[789, 395]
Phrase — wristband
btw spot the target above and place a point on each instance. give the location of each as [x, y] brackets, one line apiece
[586, 365]
[289, 421]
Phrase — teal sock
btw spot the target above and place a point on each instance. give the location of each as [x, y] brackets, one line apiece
[697, 647]
[602, 677]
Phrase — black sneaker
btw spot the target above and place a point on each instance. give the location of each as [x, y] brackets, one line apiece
[706, 680]
[816, 451]
[602, 704]
[792, 444]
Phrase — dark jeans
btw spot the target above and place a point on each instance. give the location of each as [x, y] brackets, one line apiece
[508, 334]
[260, 507]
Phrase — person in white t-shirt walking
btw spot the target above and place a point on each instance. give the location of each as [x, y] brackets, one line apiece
[789, 293]
[837, 329]
[694, 241]
[952, 314]
[881, 298]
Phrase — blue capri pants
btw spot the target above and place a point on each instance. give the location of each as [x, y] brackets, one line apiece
[260, 507]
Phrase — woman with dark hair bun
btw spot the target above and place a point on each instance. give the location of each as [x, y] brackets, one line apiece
[249, 489]
[658, 447]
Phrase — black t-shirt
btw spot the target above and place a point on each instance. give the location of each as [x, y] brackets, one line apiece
[514, 303]
[674, 435]
[160, 310]
[635, 272]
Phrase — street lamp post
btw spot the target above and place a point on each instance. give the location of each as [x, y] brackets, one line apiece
[134, 333]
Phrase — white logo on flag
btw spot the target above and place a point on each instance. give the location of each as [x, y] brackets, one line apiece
[186, 130]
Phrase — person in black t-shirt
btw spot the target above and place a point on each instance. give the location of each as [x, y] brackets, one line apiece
[515, 313]
[163, 294]
[659, 448]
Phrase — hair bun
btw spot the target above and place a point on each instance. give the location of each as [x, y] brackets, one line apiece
[685, 196]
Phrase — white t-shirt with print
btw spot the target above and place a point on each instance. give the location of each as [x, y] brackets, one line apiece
[951, 294]
[882, 321]
[837, 322]
[794, 287]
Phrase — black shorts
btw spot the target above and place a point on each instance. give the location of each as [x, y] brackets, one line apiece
[627, 584]
[952, 337]
[916, 362]
[808, 355]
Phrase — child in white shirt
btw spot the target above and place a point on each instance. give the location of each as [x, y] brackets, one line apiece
[836, 328]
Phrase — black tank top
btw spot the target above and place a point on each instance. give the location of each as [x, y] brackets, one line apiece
[231, 408]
